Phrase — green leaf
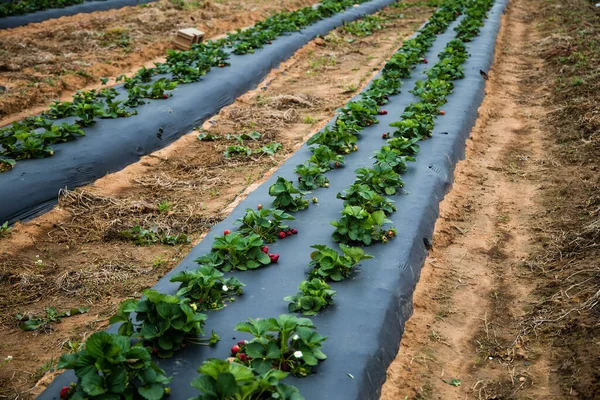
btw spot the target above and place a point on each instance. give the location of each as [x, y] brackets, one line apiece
[154, 391]
[226, 385]
[116, 381]
[206, 385]
[92, 384]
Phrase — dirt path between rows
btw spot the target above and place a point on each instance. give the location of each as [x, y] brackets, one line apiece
[74, 256]
[475, 284]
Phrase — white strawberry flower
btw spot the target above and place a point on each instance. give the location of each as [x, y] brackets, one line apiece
[298, 354]
[225, 288]
[295, 337]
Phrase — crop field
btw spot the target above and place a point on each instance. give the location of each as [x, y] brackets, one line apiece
[349, 199]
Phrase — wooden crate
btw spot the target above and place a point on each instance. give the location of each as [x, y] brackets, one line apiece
[187, 37]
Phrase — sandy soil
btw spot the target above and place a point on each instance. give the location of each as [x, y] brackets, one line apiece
[479, 285]
[50, 60]
[84, 263]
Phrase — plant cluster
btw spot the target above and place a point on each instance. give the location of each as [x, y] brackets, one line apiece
[207, 287]
[109, 367]
[265, 222]
[285, 199]
[314, 295]
[28, 322]
[287, 343]
[235, 250]
[161, 320]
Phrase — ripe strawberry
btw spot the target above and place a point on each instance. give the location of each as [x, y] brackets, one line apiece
[282, 235]
[243, 357]
[274, 257]
[382, 112]
[337, 164]
[259, 206]
[384, 135]
[270, 42]
[294, 231]
[285, 368]
[390, 234]
[289, 233]
[242, 343]
[64, 392]
[226, 232]
[265, 249]
[425, 60]
[442, 112]
[235, 349]
[165, 96]
[154, 351]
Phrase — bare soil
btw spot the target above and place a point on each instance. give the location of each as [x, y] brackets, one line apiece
[50, 60]
[507, 303]
[84, 262]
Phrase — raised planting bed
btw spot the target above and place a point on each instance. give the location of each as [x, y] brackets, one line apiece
[19, 13]
[185, 91]
[365, 322]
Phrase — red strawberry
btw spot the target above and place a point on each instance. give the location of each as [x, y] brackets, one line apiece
[282, 235]
[384, 136]
[382, 112]
[259, 206]
[390, 233]
[274, 257]
[165, 96]
[265, 249]
[226, 232]
[243, 357]
[235, 349]
[425, 60]
[154, 351]
[337, 164]
[442, 112]
[270, 42]
[294, 231]
[288, 233]
[285, 367]
[242, 343]
[64, 392]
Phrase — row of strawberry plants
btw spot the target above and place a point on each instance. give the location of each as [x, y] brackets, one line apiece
[34, 136]
[29, 6]
[282, 345]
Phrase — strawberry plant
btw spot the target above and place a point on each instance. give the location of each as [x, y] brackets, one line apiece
[221, 380]
[284, 191]
[286, 343]
[365, 26]
[418, 127]
[28, 6]
[207, 287]
[433, 91]
[266, 223]
[324, 158]
[339, 138]
[358, 226]
[236, 251]
[328, 264]
[386, 156]
[381, 178]
[310, 176]
[163, 321]
[359, 194]
[314, 295]
[109, 367]
[359, 113]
